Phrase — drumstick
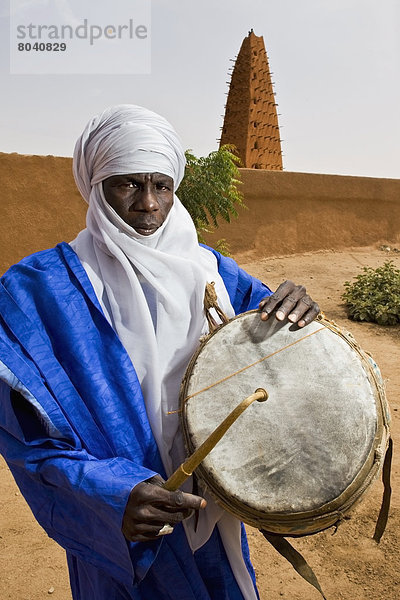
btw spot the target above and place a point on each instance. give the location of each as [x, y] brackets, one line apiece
[186, 468]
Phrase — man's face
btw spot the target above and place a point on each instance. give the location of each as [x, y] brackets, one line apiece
[143, 200]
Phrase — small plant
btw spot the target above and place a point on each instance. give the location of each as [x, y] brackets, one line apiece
[209, 189]
[375, 295]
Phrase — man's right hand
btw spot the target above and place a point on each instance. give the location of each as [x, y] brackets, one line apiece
[150, 507]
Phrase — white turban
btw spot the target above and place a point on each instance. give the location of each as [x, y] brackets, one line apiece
[126, 139]
[151, 288]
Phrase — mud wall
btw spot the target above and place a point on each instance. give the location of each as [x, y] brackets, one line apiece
[286, 212]
[289, 213]
[39, 206]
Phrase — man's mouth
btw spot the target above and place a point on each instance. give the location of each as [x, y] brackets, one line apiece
[145, 229]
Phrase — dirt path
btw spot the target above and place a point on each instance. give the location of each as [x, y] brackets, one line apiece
[349, 564]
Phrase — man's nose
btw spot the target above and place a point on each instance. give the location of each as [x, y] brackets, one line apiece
[147, 200]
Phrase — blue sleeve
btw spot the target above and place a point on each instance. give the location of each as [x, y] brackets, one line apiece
[78, 499]
[77, 440]
[245, 292]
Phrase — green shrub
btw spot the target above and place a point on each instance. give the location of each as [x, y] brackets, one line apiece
[375, 295]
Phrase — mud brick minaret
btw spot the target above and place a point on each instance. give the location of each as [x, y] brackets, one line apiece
[251, 120]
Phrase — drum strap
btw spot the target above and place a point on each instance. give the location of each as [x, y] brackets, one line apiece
[387, 492]
[211, 301]
[297, 561]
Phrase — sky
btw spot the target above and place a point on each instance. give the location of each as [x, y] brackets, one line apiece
[335, 64]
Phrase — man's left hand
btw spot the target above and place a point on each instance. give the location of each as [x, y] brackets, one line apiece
[290, 301]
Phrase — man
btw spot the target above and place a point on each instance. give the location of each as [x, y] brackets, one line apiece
[95, 340]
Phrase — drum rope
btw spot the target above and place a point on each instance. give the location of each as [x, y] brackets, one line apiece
[260, 360]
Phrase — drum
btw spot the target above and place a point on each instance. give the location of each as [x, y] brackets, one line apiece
[295, 464]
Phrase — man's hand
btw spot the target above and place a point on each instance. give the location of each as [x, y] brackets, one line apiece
[292, 302]
[150, 507]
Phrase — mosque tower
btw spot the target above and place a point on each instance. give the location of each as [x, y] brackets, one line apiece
[251, 119]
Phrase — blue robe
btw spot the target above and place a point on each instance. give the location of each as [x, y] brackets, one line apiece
[79, 440]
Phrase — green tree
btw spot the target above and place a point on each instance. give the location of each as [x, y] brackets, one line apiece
[209, 190]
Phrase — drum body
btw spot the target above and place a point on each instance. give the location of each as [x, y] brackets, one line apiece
[295, 464]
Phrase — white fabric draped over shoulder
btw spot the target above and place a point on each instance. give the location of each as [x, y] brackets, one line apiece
[151, 288]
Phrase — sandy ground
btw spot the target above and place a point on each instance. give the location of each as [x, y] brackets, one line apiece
[349, 564]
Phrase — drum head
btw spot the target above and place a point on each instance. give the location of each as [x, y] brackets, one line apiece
[288, 461]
